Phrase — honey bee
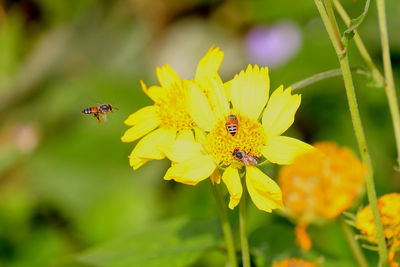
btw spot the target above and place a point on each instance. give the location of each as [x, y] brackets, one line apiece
[241, 156]
[99, 112]
[231, 124]
[105, 108]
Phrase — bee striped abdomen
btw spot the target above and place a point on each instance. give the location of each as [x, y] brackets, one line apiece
[231, 124]
[232, 129]
[91, 110]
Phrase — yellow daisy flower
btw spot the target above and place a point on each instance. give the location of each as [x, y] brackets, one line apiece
[389, 210]
[260, 118]
[320, 185]
[168, 119]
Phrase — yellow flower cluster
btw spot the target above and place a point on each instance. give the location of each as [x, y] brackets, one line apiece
[389, 210]
[188, 125]
[321, 190]
[294, 262]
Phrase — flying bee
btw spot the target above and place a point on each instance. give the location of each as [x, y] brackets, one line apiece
[231, 124]
[105, 108]
[241, 156]
[99, 112]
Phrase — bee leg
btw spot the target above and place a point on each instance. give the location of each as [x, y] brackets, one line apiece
[96, 115]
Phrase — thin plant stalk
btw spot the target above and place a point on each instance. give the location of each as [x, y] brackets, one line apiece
[327, 16]
[226, 227]
[351, 240]
[378, 77]
[243, 233]
[387, 65]
[389, 85]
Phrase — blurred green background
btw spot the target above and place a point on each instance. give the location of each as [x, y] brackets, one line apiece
[68, 196]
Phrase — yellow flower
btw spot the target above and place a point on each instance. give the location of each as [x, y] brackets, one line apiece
[389, 210]
[320, 186]
[168, 119]
[258, 135]
[294, 262]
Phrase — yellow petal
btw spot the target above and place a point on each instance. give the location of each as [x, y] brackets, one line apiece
[143, 115]
[216, 94]
[208, 66]
[231, 179]
[199, 107]
[191, 171]
[280, 111]
[250, 90]
[144, 122]
[216, 176]
[283, 150]
[154, 92]
[182, 149]
[227, 89]
[264, 192]
[136, 163]
[167, 76]
[149, 147]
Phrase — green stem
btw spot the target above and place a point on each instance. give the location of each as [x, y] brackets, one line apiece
[355, 248]
[378, 77]
[387, 65]
[357, 125]
[322, 76]
[243, 234]
[226, 227]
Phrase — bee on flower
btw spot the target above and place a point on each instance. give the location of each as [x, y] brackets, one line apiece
[236, 151]
[320, 185]
[389, 210]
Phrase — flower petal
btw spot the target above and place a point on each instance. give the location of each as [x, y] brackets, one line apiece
[250, 90]
[143, 121]
[208, 66]
[182, 149]
[143, 115]
[167, 76]
[283, 150]
[154, 92]
[191, 171]
[199, 107]
[216, 94]
[216, 176]
[149, 147]
[279, 113]
[231, 179]
[264, 192]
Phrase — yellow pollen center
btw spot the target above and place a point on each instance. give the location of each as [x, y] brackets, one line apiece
[172, 109]
[249, 138]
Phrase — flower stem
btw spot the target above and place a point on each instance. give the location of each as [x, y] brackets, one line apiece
[389, 86]
[322, 76]
[226, 227]
[355, 248]
[387, 65]
[378, 77]
[356, 120]
[243, 233]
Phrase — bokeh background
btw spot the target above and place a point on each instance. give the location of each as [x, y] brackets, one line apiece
[68, 196]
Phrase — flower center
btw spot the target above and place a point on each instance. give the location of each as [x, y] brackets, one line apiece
[249, 138]
[172, 109]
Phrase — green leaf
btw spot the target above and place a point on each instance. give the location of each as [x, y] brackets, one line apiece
[349, 32]
[174, 243]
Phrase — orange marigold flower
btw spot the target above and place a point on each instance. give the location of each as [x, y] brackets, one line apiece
[320, 185]
[294, 262]
[389, 209]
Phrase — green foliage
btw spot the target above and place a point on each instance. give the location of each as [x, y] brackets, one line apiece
[175, 243]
